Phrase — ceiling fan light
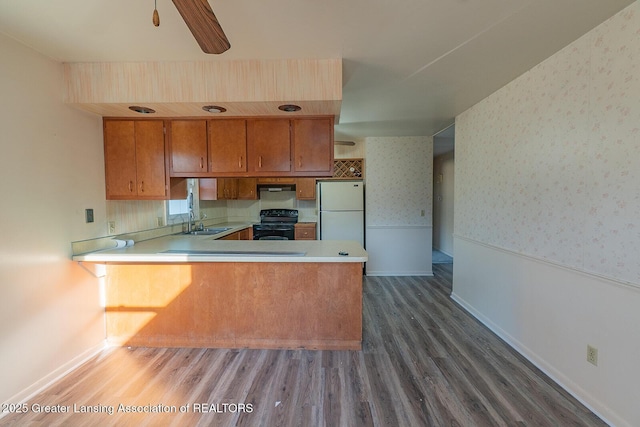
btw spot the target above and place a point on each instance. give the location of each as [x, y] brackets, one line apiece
[214, 109]
[142, 110]
[289, 108]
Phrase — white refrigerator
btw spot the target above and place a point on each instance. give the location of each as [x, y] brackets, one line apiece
[341, 210]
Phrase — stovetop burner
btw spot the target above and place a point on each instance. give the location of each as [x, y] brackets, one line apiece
[276, 224]
[285, 216]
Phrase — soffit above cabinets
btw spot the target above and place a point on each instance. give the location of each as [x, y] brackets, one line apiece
[181, 89]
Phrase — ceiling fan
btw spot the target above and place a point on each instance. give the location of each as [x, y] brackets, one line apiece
[202, 22]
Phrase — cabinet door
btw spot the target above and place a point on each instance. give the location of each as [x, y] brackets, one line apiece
[227, 188]
[150, 165]
[232, 236]
[207, 189]
[188, 146]
[120, 158]
[306, 188]
[313, 145]
[247, 189]
[305, 231]
[227, 146]
[268, 145]
[245, 234]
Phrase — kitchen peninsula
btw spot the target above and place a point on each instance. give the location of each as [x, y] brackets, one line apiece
[200, 291]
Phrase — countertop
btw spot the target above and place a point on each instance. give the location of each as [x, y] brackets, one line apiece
[207, 248]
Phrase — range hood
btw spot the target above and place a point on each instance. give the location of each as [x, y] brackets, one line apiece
[274, 187]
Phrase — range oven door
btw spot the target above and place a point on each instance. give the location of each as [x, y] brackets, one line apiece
[273, 232]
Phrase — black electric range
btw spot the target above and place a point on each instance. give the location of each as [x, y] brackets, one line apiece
[276, 224]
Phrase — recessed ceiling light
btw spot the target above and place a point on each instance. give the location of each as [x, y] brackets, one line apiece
[289, 108]
[214, 109]
[142, 110]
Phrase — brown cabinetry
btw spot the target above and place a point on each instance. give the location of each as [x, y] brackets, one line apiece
[268, 146]
[305, 231]
[228, 188]
[247, 189]
[227, 146]
[206, 148]
[244, 234]
[306, 188]
[251, 147]
[188, 146]
[313, 145]
[134, 159]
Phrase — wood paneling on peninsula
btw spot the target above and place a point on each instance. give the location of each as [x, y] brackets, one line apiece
[178, 89]
[234, 305]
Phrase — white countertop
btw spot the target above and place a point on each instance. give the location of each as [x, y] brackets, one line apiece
[206, 248]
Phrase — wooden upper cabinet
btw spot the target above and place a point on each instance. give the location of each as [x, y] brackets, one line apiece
[227, 146]
[268, 146]
[188, 146]
[120, 158]
[150, 159]
[250, 147]
[227, 188]
[247, 189]
[313, 145]
[134, 159]
[306, 188]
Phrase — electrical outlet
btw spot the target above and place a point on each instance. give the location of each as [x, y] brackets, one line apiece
[592, 355]
[112, 227]
[88, 215]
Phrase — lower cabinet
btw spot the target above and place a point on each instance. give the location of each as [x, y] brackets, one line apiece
[305, 231]
[244, 234]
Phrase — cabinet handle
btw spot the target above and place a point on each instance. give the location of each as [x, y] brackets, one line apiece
[300, 161]
[142, 187]
[130, 186]
[201, 163]
[260, 161]
[240, 163]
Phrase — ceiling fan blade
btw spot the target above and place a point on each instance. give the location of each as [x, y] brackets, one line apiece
[204, 25]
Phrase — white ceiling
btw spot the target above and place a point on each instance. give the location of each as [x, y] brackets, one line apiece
[409, 67]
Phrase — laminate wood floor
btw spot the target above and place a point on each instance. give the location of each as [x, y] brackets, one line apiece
[424, 362]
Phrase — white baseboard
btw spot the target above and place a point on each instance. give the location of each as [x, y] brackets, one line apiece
[403, 273]
[54, 376]
[569, 386]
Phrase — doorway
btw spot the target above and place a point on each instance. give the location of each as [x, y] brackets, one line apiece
[443, 192]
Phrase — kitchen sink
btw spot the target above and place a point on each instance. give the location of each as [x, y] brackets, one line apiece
[209, 231]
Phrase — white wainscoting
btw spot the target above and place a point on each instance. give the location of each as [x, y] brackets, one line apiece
[397, 250]
[549, 313]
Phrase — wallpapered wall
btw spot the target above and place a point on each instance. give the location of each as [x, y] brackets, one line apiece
[398, 188]
[398, 180]
[549, 165]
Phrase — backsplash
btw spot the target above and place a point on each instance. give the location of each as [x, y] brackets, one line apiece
[139, 215]
[135, 215]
